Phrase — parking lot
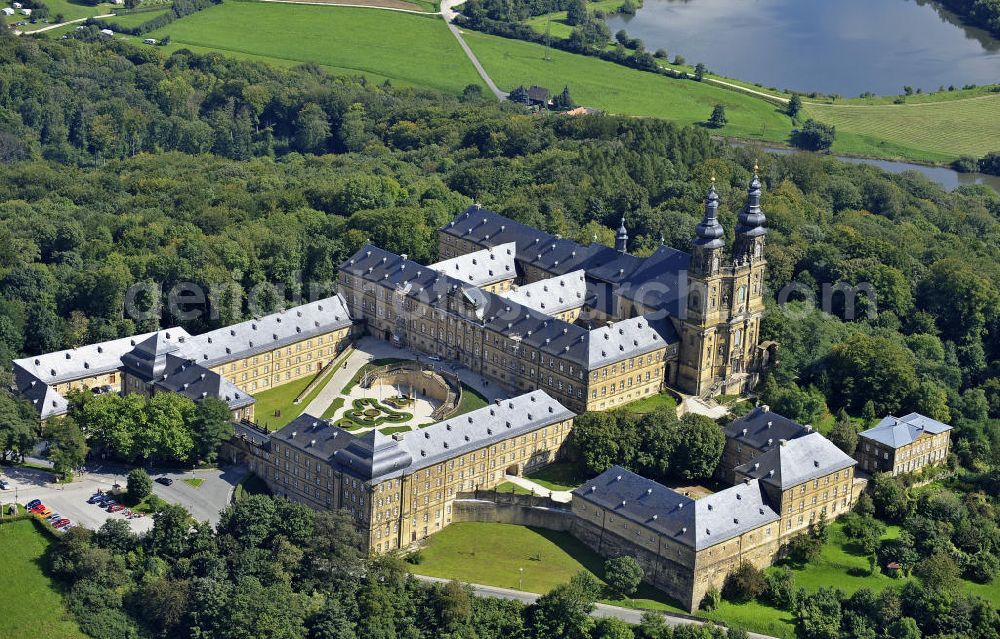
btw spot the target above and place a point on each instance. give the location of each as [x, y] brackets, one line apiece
[70, 500]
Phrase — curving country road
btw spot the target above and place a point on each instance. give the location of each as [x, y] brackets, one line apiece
[449, 13]
[628, 615]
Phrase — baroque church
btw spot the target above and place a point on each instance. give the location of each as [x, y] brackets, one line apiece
[594, 326]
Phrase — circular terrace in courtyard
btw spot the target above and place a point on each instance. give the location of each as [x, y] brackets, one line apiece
[398, 397]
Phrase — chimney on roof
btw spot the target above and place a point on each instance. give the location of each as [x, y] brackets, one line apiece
[764, 408]
[782, 442]
[769, 424]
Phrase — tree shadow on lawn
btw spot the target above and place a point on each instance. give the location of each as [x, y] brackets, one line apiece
[594, 563]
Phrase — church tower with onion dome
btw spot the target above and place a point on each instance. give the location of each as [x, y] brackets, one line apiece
[720, 328]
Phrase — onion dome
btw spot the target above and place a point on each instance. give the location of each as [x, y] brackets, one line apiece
[708, 233]
[751, 219]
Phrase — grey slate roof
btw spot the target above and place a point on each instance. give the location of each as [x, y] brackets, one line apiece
[42, 396]
[656, 281]
[313, 435]
[763, 429]
[196, 382]
[85, 361]
[795, 461]
[697, 524]
[482, 427]
[505, 316]
[374, 457]
[480, 268]
[554, 295]
[660, 281]
[900, 431]
[148, 359]
[541, 249]
[268, 332]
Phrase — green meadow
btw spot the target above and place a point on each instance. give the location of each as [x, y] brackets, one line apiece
[620, 90]
[932, 130]
[408, 49]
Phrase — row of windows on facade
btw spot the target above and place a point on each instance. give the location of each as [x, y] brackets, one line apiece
[514, 347]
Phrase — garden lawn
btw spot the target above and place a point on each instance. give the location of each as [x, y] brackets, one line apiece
[471, 400]
[30, 604]
[654, 402]
[492, 554]
[335, 405]
[559, 476]
[282, 398]
[510, 487]
[408, 49]
[193, 481]
[617, 89]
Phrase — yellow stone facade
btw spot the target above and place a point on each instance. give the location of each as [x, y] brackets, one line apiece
[261, 371]
[397, 511]
[928, 449]
[500, 358]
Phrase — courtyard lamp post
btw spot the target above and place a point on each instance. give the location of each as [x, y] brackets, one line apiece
[520, 578]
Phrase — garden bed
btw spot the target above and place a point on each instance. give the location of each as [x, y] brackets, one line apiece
[368, 412]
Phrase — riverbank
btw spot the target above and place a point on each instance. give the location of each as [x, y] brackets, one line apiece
[943, 176]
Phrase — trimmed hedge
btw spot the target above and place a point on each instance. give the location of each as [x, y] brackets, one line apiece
[356, 416]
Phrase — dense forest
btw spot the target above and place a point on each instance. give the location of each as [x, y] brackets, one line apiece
[122, 167]
[119, 166]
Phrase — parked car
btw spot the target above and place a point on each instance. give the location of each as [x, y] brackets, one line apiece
[434, 358]
[60, 523]
[33, 503]
[115, 508]
[96, 498]
[4, 484]
[43, 513]
[166, 481]
[53, 517]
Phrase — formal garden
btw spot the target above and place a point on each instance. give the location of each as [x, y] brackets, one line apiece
[368, 412]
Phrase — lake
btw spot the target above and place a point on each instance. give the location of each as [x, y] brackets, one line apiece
[846, 47]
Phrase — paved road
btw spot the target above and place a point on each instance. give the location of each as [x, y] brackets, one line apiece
[628, 615]
[207, 500]
[449, 13]
[339, 378]
[563, 496]
[62, 24]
